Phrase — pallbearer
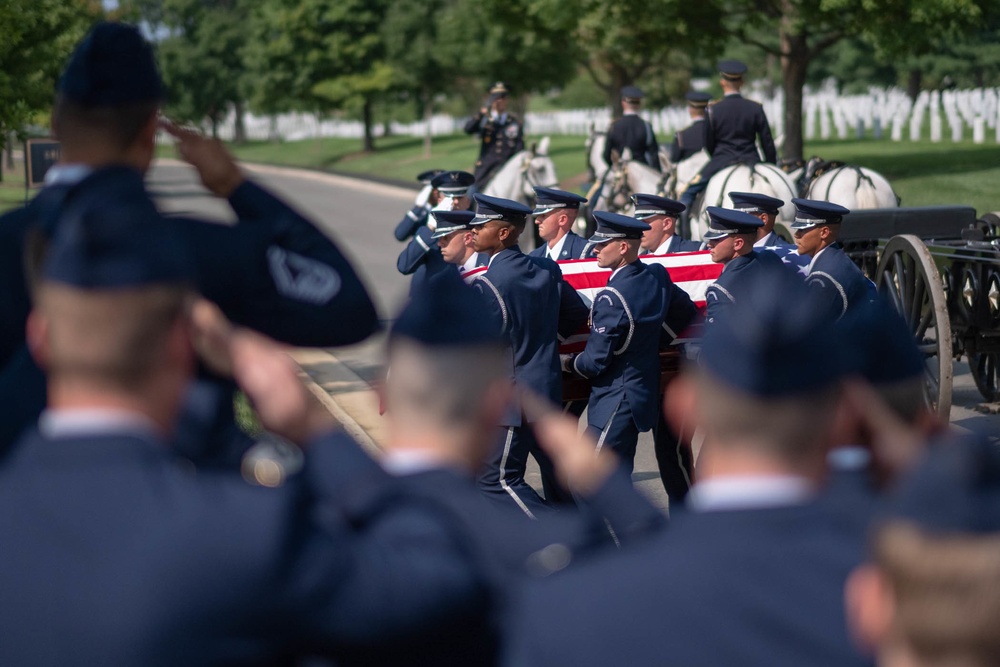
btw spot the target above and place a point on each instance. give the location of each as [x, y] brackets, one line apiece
[690, 140]
[661, 214]
[621, 358]
[766, 208]
[453, 234]
[831, 273]
[532, 305]
[555, 214]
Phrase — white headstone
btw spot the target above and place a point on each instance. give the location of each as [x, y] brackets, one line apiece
[935, 126]
[979, 130]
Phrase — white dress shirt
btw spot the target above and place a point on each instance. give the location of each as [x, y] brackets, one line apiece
[740, 492]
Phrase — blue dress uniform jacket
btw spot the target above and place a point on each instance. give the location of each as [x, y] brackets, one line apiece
[422, 258]
[273, 272]
[621, 357]
[119, 554]
[631, 131]
[688, 141]
[501, 139]
[535, 307]
[731, 129]
[574, 247]
[678, 244]
[502, 547]
[718, 589]
[738, 273]
[840, 282]
[415, 218]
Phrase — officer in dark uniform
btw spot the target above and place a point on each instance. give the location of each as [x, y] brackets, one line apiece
[731, 130]
[831, 273]
[661, 214]
[502, 134]
[555, 214]
[533, 306]
[691, 139]
[453, 235]
[752, 571]
[730, 238]
[631, 131]
[427, 199]
[621, 358]
[274, 271]
[766, 208]
[421, 257]
[167, 566]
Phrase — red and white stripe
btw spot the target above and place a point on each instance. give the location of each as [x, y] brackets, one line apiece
[693, 272]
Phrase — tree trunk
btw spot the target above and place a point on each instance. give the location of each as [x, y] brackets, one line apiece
[366, 113]
[913, 81]
[428, 114]
[619, 79]
[239, 126]
[794, 64]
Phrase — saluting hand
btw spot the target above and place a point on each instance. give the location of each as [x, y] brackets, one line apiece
[216, 167]
[270, 380]
[578, 464]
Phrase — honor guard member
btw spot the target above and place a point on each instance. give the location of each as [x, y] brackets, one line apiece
[501, 133]
[421, 257]
[273, 271]
[534, 307]
[830, 272]
[426, 199]
[632, 132]
[766, 208]
[730, 238]
[453, 235]
[691, 139]
[933, 560]
[731, 130]
[661, 214]
[752, 571]
[439, 434]
[170, 567]
[555, 214]
[621, 358]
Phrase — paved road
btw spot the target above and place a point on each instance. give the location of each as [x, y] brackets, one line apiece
[361, 216]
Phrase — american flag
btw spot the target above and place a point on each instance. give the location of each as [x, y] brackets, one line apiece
[693, 272]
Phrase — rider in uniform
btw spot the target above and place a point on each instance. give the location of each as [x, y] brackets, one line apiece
[502, 134]
[632, 132]
[691, 139]
[731, 129]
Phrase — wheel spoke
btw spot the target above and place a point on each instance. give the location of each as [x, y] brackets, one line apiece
[923, 325]
[918, 299]
[900, 270]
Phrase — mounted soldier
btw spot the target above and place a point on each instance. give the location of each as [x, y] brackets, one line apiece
[691, 139]
[502, 134]
[632, 132]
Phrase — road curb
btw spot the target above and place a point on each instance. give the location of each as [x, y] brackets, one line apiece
[348, 397]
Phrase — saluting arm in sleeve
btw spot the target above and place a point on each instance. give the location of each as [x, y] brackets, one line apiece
[610, 330]
[475, 124]
[411, 222]
[275, 272]
[415, 252]
[766, 140]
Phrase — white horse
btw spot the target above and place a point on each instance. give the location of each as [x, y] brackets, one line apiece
[853, 187]
[523, 171]
[679, 174]
[762, 178]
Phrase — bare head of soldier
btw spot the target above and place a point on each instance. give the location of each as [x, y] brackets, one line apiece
[107, 99]
[930, 594]
[450, 376]
[110, 325]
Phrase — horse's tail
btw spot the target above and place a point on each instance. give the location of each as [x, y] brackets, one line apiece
[866, 195]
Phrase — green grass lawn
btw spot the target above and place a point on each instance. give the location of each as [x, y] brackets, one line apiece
[12, 187]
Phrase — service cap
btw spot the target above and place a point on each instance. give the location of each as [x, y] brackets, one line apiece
[614, 226]
[495, 208]
[550, 199]
[755, 202]
[451, 221]
[725, 221]
[647, 206]
[732, 69]
[112, 66]
[698, 99]
[809, 213]
[453, 183]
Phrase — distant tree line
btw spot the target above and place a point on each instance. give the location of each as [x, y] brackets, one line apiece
[376, 59]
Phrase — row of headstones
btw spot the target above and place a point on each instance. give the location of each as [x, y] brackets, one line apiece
[825, 114]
